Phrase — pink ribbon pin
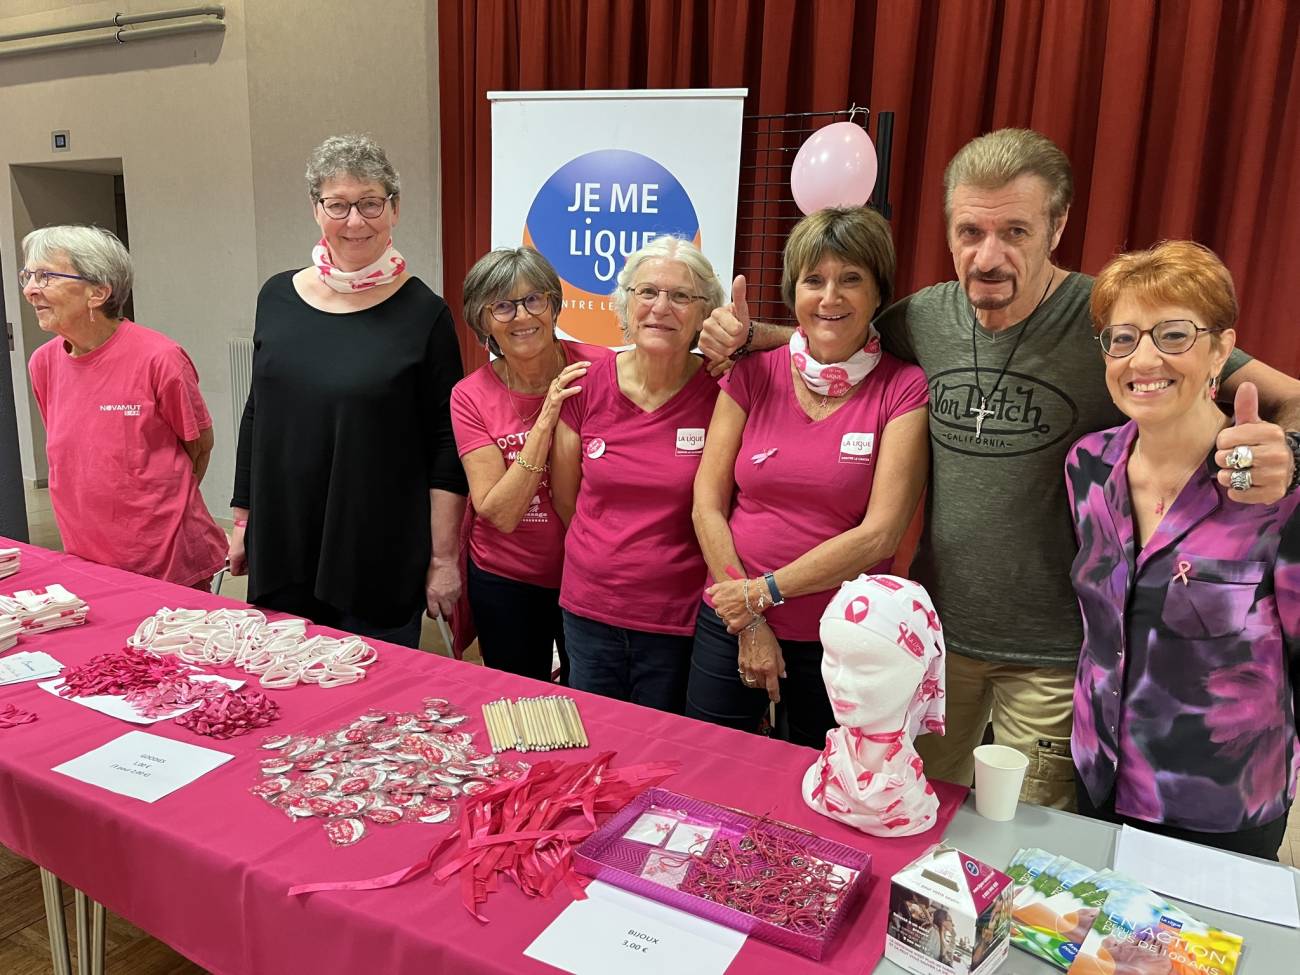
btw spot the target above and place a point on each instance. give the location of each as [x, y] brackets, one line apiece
[763, 455]
[1181, 573]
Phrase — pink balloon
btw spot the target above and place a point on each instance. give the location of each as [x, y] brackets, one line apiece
[835, 167]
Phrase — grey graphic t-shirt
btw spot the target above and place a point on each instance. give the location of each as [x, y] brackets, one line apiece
[998, 541]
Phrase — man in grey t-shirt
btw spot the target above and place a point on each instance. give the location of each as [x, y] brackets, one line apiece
[1016, 377]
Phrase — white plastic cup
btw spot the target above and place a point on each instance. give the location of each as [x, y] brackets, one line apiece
[999, 772]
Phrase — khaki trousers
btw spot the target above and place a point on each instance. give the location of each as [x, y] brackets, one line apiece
[1031, 709]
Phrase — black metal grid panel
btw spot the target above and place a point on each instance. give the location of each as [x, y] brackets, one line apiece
[766, 211]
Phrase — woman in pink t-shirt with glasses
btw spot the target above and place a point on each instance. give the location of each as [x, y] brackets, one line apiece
[504, 416]
[626, 451]
[787, 504]
[127, 434]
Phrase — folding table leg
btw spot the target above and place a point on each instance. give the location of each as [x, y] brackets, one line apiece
[90, 935]
[52, 888]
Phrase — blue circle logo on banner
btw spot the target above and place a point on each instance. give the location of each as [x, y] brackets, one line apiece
[597, 209]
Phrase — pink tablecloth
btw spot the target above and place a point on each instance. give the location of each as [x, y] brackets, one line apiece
[206, 868]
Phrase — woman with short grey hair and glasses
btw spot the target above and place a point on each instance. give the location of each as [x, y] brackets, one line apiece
[625, 456]
[504, 415]
[128, 436]
[348, 494]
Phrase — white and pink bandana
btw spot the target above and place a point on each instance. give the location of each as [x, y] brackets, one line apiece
[869, 774]
[385, 270]
[837, 378]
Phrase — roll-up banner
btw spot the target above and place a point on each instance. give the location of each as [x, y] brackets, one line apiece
[589, 177]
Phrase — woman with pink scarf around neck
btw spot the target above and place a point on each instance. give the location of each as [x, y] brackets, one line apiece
[1184, 711]
[813, 465]
[348, 490]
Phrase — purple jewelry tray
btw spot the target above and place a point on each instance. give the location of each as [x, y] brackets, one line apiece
[607, 856]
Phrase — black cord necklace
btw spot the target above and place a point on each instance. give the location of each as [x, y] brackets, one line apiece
[984, 412]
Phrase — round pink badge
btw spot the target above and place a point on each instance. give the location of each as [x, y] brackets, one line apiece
[595, 448]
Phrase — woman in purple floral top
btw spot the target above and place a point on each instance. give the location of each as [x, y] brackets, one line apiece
[1184, 702]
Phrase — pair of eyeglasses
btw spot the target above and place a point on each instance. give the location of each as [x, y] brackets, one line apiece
[506, 309]
[368, 206]
[1171, 337]
[42, 278]
[677, 297]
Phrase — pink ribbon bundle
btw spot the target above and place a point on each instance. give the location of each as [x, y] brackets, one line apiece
[119, 672]
[230, 714]
[12, 717]
[525, 830]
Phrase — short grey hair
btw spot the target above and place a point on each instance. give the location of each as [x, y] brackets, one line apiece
[668, 248]
[94, 253]
[358, 156]
[995, 159]
[493, 276]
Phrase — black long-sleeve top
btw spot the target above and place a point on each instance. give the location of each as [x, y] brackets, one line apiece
[346, 429]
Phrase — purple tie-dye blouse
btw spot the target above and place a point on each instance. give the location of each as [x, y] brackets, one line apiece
[1184, 702]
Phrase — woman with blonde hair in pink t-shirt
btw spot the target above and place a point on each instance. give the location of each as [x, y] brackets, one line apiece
[626, 451]
[814, 463]
[128, 436]
[504, 416]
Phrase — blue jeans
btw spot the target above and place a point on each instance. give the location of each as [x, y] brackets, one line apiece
[517, 624]
[629, 665]
[715, 693]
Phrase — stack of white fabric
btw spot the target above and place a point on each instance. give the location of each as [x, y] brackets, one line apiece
[11, 560]
[40, 612]
[9, 630]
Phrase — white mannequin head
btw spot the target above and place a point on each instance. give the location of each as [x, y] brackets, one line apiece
[869, 678]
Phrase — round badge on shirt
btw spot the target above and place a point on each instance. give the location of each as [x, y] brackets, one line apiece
[594, 448]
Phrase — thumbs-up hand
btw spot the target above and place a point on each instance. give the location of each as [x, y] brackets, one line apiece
[1266, 455]
[726, 330]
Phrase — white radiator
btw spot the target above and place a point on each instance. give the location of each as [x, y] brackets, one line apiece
[241, 376]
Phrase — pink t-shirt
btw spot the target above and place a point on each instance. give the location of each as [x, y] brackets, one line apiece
[631, 558]
[121, 484]
[481, 414]
[814, 479]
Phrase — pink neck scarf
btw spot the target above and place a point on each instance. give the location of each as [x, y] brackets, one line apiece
[385, 270]
[836, 378]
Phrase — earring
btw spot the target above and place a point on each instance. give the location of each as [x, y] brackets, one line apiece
[1214, 389]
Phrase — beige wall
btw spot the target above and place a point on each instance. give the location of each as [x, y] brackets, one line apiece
[213, 131]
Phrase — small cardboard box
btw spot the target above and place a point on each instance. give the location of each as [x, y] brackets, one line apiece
[948, 913]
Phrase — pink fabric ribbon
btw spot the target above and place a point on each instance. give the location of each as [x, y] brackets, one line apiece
[522, 830]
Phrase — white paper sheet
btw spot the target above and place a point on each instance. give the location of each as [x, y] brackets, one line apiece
[143, 766]
[617, 931]
[116, 707]
[1213, 878]
[28, 665]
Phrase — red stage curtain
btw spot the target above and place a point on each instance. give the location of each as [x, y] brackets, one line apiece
[1182, 118]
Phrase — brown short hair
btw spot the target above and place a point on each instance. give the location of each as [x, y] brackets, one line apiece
[856, 235]
[1173, 272]
[993, 160]
[494, 275]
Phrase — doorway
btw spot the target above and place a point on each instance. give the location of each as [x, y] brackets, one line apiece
[87, 191]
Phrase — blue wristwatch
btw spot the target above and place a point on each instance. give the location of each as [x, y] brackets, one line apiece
[772, 589]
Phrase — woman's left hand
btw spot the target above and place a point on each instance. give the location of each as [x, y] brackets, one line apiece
[1271, 462]
[442, 588]
[761, 661]
[728, 600]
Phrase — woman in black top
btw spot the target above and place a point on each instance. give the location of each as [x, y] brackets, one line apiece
[348, 491]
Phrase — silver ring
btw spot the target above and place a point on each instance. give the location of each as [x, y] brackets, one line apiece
[1240, 458]
[747, 680]
[1241, 480]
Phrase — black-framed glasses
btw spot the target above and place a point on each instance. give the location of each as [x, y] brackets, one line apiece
[41, 278]
[677, 297]
[505, 310]
[1172, 337]
[368, 206]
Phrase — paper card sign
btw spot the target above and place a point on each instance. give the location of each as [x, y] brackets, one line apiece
[143, 766]
[614, 930]
[116, 707]
[28, 665]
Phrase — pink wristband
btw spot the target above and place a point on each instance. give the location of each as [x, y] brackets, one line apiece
[241, 522]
